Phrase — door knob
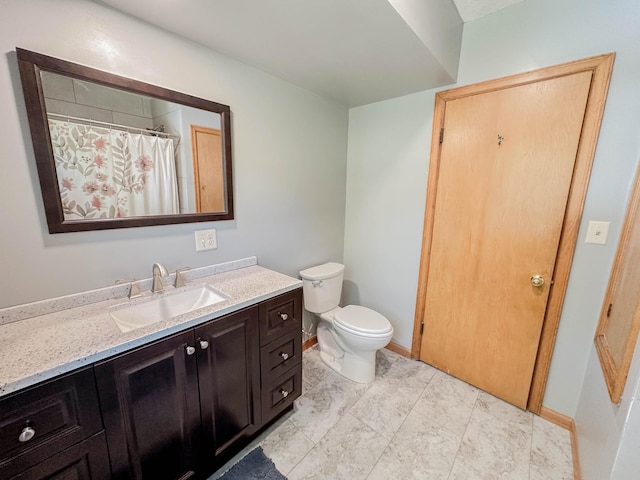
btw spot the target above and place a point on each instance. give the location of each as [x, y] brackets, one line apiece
[537, 280]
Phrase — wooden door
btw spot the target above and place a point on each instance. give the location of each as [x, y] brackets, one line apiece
[506, 166]
[151, 410]
[229, 378]
[206, 144]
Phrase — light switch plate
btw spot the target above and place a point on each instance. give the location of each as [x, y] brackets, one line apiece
[597, 232]
[206, 240]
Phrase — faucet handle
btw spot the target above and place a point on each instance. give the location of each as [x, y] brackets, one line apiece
[180, 281]
[134, 290]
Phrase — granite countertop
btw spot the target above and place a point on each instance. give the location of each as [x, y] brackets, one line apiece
[42, 340]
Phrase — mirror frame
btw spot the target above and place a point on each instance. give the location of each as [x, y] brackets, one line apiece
[30, 65]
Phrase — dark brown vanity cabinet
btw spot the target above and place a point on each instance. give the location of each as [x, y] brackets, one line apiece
[280, 353]
[175, 409]
[54, 431]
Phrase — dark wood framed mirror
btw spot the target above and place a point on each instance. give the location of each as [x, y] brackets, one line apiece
[113, 152]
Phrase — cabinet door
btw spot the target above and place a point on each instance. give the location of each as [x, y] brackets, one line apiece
[229, 376]
[151, 412]
[87, 460]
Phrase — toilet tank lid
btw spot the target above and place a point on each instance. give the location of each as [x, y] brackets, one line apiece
[321, 272]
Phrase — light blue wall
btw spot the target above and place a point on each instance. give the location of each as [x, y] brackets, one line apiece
[387, 171]
[289, 153]
[386, 195]
[387, 179]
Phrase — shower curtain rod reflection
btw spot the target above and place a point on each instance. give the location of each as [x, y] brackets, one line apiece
[147, 131]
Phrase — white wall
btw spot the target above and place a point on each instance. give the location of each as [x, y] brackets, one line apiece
[289, 154]
[387, 170]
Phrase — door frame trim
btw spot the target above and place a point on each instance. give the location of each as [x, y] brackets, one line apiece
[601, 67]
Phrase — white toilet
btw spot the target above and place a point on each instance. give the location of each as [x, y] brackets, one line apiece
[349, 336]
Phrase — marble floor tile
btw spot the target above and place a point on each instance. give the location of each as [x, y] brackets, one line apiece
[412, 423]
[505, 411]
[384, 407]
[319, 409]
[492, 449]
[448, 402]
[348, 452]
[395, 369]
[421, 450]
[314, 370]
[286, 445]
[550, 452]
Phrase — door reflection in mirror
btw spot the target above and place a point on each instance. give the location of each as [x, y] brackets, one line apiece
[121, 154]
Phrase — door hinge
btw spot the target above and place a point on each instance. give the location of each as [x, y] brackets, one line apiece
[441, 134]
[609, 310]
[421, 328]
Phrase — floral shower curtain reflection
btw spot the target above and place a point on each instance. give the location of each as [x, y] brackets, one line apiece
[111, 173]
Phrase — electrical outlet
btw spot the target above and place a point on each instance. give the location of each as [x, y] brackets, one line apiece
[206, 240]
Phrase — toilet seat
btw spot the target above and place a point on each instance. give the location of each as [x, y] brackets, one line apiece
[362, 321]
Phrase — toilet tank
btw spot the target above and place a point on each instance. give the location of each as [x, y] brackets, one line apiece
[322, 286]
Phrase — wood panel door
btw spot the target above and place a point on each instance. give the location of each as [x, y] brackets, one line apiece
[209, 175]
[506, 166]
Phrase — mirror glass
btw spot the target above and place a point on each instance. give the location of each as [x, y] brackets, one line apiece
[114, 152]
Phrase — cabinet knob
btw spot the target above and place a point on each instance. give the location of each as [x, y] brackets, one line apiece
[283, 316]
[204, 344]
[284, 393]
[27, 434]
[190, 350]
[284, 355]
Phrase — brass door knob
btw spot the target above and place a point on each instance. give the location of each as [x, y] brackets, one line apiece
[537, 280]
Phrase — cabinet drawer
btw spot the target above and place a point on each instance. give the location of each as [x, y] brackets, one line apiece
[87, 460]
[280, 315]
[280, 393]
[281, 355]
[58, 414]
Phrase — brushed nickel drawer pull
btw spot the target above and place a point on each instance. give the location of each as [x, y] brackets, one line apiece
[190, 350]
[284, 355]
[283, 316]
[27, 434]
[284, 393]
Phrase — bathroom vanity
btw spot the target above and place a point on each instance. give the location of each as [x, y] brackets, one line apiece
[172, 400]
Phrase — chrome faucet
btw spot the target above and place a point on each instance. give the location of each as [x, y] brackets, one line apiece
[159, 273]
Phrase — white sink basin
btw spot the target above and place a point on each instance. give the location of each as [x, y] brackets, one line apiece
[164, 307]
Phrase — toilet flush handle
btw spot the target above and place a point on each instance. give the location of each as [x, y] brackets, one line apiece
[317, 283]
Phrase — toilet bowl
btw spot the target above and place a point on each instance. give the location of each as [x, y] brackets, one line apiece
[348, 336]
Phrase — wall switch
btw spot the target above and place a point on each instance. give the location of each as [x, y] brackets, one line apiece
[206, 240]
[597, 232]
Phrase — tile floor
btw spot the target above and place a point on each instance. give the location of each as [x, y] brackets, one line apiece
[414, 422]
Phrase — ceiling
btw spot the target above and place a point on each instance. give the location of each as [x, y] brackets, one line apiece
[354, 52]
